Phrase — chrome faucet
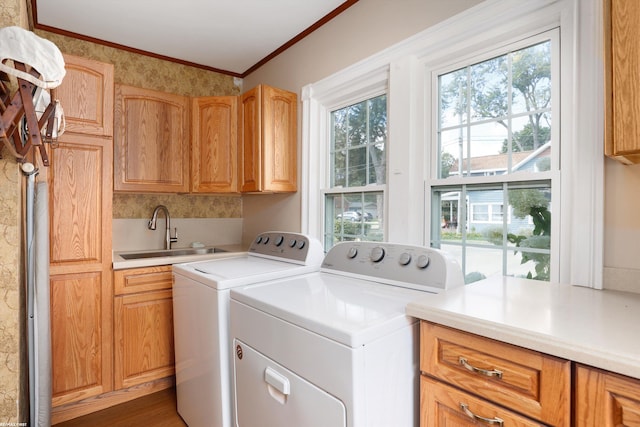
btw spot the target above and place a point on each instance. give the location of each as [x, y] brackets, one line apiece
[152, 225]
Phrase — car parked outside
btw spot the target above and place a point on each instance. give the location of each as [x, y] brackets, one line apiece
[349, 216]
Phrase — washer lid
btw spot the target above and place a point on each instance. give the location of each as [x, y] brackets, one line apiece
[348, 310]
[224, 273]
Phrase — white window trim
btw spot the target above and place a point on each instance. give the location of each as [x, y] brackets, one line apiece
[400, 69]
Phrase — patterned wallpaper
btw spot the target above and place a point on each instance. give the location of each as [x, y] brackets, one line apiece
[13, 392]
[180, 205]
[153, 73]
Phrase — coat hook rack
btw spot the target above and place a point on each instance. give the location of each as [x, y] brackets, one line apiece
[20, 106]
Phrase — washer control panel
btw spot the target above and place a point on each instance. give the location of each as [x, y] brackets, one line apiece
[405, 265]
[288, 246]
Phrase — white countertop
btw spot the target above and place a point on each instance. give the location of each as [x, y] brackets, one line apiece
[594, 327]
[120, 263]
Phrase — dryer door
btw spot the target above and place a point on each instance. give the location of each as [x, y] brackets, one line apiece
[269, 395]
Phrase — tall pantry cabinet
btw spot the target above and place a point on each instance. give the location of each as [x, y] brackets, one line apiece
[80, 199]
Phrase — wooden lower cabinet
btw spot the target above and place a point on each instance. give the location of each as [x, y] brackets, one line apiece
[604, 399]
[494, 380]
[143, 326]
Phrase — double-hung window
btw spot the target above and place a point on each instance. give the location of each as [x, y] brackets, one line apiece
[356, 175]
[496, 153]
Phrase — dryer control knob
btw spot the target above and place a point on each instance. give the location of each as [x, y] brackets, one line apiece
[353, 252]
[405, 258]
[258, 239]
[292, 243]
[423, 261]
[377, 254]
[279, 240]
[301, 244]
[265, 240]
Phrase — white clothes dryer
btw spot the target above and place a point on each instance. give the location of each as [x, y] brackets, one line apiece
[201, 318]
[335, 347]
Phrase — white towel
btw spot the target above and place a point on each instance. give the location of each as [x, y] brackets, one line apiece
[24, 46]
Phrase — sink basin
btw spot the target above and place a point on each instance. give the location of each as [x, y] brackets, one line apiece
[171, 252]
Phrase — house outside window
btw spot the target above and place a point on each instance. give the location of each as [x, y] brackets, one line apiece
[497, 143]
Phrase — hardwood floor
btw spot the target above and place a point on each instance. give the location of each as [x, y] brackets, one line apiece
[157, 410]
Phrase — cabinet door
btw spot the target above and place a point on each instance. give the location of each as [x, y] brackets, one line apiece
[622, 71]
[268, 140]
[151, 141]
[143, 336]
[80, 336]
[604, 399]
[86, 96]
[214, 132]
[279, 145]
[250, 147]
[80, 195]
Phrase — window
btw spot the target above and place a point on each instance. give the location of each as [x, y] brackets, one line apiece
[354, 200]
[495, 140]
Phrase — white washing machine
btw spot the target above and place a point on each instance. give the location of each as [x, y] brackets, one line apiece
[201, 318]
[335, 348]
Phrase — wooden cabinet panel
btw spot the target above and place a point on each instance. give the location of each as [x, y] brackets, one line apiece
[443, 406]
[622, 80]
[279, 120]
[604, 399]
[142, 279]
[151, 145]
[268, 140]
[525, 381]
[80, 197]
[214, 131]
[143, 332]
[86, 96]
[80, 336]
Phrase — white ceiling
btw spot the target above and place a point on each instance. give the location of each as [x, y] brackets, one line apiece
[226, 35]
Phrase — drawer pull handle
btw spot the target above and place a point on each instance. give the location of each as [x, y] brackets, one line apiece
[487, 372]
[490, 421]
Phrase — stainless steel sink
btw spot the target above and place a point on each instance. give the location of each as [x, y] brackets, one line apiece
[172, 252]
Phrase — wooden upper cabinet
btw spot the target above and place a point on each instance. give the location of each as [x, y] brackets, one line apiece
[151, 141]
[622, 80]
[268, 140]
[214, 131]
[86, 96]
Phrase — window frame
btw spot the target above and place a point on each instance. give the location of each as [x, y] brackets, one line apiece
[400, 69]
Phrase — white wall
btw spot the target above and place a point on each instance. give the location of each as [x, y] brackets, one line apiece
[373, 25]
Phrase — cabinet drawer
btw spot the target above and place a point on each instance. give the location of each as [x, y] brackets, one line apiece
[526, 381]
[443, 405]
[142, 279]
